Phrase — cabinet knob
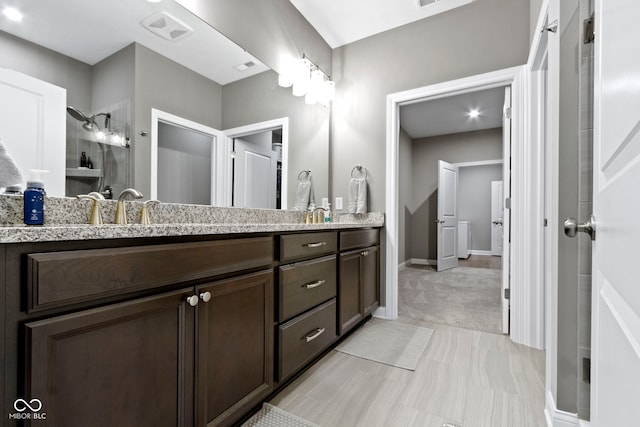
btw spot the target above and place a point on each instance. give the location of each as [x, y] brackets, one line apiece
[205, 296]
[364, 253]
[192, 300]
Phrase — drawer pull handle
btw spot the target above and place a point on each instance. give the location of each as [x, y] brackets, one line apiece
[314, 284]
[316, 334]
[314, 245]
[192, 300]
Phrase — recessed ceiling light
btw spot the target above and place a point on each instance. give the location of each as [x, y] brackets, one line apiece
[12, 13]
[154, 1]
[474, 113]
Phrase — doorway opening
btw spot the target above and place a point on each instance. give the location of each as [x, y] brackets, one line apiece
[526, 317]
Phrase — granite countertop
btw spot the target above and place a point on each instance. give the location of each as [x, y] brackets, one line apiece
[66, 219]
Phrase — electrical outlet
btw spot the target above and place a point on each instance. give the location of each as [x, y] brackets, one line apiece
[338, 203]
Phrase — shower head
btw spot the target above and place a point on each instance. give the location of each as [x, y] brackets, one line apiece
[77, 114]
[89, 122]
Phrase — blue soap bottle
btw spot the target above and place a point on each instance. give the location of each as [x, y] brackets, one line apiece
[34, 199]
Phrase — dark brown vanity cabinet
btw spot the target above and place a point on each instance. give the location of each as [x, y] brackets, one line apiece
[199, 355]
[359, 283]
[307, 299]
[125, 364]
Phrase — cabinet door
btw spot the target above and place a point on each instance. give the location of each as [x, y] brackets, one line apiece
[350, 301]
[126, 364]
[235, 347]
[370, 263]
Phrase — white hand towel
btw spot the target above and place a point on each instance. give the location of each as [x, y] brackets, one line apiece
[9, 172]
[304, 195]
[357, 195]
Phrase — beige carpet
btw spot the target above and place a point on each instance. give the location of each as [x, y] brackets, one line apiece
[272, 416]
[464, 297]
[391, 343]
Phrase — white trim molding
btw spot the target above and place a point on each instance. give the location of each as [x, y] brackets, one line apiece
[527, 314]
[557, 418]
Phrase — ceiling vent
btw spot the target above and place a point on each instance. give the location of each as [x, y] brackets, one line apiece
[166, 26]
[425, 2]
[244, 66]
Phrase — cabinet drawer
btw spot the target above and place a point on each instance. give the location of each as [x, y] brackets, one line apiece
[306, 245]
[359, 239]
[305, 337]
[306, 284]
[59, 278]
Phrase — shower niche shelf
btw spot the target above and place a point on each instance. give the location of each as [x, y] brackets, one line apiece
[84, 173]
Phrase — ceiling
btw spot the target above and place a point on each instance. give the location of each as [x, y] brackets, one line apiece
[341, 22]
[91, 30]
[450, 115]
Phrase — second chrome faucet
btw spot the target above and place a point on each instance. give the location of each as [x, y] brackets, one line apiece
[121, 212]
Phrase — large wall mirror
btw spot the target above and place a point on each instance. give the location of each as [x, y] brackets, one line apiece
[119, 60]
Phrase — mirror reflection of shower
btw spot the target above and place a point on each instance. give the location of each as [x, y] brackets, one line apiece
[105, 167]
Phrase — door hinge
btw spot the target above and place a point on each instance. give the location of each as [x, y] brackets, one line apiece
[507, 203]
[507, 112]
[507, 293]
[589, 29]
[546, 222]
[586, 370]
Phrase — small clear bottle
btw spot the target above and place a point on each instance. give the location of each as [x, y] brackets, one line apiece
[327, 213]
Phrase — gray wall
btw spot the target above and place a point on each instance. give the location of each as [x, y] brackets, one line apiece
[568, 205]
[405, 196]
[456, 148]
[474, 201]
[259, 98]
[168, 86]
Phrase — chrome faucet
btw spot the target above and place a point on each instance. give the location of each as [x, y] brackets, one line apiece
[121, 212]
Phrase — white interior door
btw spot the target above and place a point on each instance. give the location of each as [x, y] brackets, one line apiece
[254, 175]
[447, 215]
[506, 220]
[32, 126]
[616, 292]
[497, 216]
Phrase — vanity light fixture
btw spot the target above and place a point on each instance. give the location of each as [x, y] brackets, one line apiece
[308, 80]
[12, 14]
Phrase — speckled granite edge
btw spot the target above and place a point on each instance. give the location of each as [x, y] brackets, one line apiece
[66, 218]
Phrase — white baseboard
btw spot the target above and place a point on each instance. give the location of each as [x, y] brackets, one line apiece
[402, 265]
[557, 418]
[479, 252]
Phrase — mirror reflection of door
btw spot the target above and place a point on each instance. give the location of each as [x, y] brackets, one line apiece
[257, 170]
[184, 164]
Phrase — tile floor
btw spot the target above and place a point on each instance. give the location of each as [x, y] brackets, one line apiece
[467, 378]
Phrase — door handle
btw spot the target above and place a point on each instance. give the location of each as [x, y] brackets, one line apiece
[439, 221]
[497, 222]
[572, 227]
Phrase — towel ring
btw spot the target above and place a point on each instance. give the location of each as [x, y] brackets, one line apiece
[360, 169]
[304, 174]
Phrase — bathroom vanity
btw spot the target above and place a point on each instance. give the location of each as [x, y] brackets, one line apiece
[177, 329]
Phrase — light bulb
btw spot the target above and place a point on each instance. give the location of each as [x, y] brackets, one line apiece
[100, 135]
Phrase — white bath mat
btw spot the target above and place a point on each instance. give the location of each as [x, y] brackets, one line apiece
[388, 342]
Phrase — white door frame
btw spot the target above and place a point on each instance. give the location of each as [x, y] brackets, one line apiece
[282, 122]
[527, 322]
[217, 153]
